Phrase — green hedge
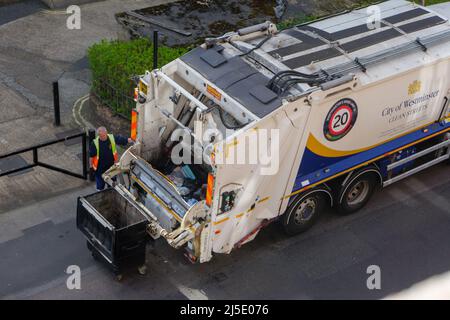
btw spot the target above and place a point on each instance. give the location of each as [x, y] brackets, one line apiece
[113, 63]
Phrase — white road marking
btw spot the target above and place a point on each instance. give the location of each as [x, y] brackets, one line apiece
[190, 293]
[76, 112]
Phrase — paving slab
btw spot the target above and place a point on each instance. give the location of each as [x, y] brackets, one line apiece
[36, 49]
[13, 163]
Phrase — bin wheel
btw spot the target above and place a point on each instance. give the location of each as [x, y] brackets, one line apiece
[119, 277]
[95, 255]
[142, 270]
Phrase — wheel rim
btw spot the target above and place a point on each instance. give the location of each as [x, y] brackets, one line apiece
[305, 211]
[358, 193]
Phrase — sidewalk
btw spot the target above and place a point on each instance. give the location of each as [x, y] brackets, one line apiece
[21, 126]
[36, 50]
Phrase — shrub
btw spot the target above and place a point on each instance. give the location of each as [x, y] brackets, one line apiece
[113, 63]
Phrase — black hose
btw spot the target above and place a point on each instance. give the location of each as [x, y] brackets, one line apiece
[286, 73]
[259, 45]
[282, 82]
[290, 83]
[228, 126]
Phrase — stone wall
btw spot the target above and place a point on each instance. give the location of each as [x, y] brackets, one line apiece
[60, 4]
[53, 4]
[3, 2]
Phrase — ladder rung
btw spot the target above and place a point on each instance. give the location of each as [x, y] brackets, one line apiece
[417, 155]
[417, 169]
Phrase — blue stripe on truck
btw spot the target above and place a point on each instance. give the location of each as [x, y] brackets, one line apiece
[315, 168]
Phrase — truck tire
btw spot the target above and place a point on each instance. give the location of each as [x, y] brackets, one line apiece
[303, 212]
[356, 193]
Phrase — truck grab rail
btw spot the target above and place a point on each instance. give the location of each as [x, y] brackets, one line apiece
[183, 91]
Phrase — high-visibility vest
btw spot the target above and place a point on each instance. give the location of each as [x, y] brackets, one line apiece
[95, 159]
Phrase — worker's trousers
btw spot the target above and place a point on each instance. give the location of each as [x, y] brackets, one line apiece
[99, 181]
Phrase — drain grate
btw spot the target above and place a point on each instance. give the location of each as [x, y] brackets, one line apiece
[12, 163]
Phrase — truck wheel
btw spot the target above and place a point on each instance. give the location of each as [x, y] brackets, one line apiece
[302, 213]
[119, 277]
[356, 193]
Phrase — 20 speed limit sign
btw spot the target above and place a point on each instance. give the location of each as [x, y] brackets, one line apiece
[340, 119]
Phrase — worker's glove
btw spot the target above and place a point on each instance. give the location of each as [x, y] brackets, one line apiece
[91, 174]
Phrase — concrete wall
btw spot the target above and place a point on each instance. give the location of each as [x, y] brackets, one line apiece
[54, 4]
[60, 4]
[3, 2]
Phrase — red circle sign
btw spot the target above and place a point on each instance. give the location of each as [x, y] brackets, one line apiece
[340, 119]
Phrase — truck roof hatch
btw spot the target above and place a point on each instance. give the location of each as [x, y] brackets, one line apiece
[235, 77]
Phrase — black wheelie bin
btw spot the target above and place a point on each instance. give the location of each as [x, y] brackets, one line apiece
[115, 230]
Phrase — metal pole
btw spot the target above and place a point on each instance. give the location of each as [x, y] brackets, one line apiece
[91, 137]
[155, 49]
[35, 156]
[85, 154]
[56, 103]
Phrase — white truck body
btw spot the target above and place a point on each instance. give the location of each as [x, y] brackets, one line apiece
[378, 93]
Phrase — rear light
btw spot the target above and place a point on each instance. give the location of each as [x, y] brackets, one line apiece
[134, 118]
[209, 189]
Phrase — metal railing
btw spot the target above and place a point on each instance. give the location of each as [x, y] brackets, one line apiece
[36, 162]
[117, 100]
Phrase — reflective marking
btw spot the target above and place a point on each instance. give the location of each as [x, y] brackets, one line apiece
[220, 221]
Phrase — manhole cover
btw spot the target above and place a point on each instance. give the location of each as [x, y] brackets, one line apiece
[12, 163]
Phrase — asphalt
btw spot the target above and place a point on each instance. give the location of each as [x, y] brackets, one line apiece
[403, 230]
[19, 10]
[36, 49]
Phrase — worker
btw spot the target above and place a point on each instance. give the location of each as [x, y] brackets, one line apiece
[103, 154]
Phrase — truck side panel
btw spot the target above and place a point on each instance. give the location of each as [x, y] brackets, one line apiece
[406, 116]
[260, 187]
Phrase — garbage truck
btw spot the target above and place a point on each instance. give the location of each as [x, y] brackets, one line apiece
[261, 125]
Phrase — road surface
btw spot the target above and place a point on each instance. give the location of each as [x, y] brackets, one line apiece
[404, 230]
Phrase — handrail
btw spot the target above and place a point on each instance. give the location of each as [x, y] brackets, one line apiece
[36, 161]
[183, 91]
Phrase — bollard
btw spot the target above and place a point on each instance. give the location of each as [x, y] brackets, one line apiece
[155, 49]
[56, 103]
[91, 137]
